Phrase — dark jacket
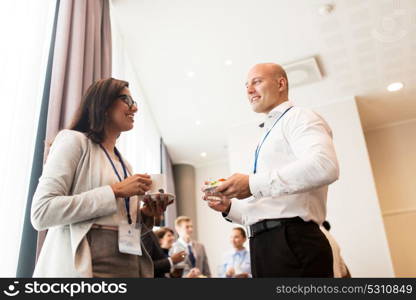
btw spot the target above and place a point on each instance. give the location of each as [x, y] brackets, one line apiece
[160, 259]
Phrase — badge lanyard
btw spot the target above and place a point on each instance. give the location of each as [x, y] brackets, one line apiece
[126, 199]
[256, 154]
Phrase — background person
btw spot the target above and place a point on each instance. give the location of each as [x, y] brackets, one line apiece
[236, 262]
[340, 268]
[196, 262]
[163, 263]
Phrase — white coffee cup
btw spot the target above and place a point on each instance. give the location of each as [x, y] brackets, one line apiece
[158, 182]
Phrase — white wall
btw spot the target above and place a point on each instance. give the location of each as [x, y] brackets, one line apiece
[185, 189]
[392, 152]
[353, 208]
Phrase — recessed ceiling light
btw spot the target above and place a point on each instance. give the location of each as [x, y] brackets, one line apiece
[203, 154]
[197, 122]
[228, 62]
[395, 86]
[190, 74]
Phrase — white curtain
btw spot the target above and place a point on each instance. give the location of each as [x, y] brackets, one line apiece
[140, 146]
[25, 31]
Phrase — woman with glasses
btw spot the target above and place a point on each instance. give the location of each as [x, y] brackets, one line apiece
[88, 197]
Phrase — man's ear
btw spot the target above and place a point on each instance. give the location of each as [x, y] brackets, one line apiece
[282, 84]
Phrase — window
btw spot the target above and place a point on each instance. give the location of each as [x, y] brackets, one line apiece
[25, 30]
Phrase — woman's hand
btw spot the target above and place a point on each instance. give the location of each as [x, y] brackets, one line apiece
[137, 184]
[154, 208]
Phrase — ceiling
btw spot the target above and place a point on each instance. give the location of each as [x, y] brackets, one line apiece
[192, 57]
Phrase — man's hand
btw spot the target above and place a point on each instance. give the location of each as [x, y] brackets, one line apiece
[236, 186]
[241, 275]
[230, 272]
[193, 273]
[217, 202]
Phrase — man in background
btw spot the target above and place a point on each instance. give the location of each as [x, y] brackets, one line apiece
[236, 262]
[196, 262]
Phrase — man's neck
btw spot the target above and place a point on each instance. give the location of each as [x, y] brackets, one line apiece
[276, 105]
[239, 248]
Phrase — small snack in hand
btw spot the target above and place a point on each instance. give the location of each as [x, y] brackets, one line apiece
[212, 185]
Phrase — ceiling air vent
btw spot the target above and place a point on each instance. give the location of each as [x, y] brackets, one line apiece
[303, 72]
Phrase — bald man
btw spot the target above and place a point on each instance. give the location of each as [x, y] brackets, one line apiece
[283, 201]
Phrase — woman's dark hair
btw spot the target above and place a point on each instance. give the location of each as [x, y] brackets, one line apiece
[242, 231]
[326, 225]
[90, 117]
[160, 233]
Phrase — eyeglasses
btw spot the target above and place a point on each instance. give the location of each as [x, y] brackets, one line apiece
[128, 100]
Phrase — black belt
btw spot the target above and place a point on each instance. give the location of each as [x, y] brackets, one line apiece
[270, 224]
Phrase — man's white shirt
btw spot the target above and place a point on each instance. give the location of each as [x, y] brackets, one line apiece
[296, 163]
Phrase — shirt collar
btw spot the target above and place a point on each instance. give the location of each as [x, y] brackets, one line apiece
[275, 113]
[238, 251]
[182, 241]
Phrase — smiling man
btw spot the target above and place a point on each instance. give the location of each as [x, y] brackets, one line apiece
[283, 200]
[196, 261]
